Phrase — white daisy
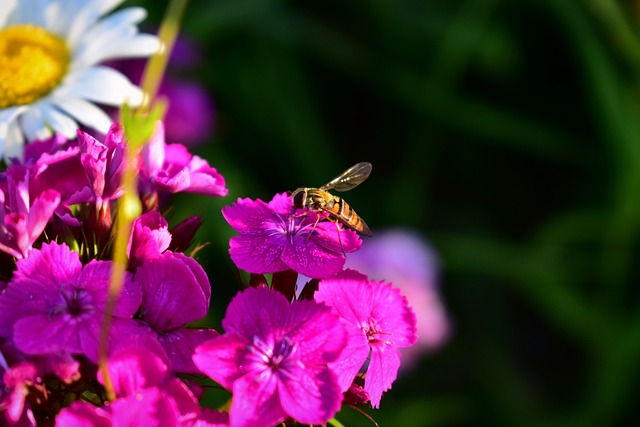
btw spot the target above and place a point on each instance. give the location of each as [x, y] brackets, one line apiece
[49, 72]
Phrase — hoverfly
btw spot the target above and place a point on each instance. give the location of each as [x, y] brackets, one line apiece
[320, 200]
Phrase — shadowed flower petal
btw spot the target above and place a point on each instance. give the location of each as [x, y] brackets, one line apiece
[175, 291]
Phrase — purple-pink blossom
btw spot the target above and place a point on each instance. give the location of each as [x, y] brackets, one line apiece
[170, 168]
[402, 257]
[274, 357]
[147, 392]
[104, 163]
[23, 219]
[379, 321]
[149, 238]
[175, 291]
[13, 392]
[275, 237]
[54, 304]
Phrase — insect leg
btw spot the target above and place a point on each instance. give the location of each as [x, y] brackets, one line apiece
[314, 225]
[339, 237]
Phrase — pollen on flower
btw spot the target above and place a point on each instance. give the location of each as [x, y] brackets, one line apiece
[32, 63]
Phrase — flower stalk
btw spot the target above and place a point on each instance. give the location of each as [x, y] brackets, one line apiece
[139, 126]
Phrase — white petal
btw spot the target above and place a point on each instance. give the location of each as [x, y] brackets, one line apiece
[6, 6]
[8, 128]
[59, 121]
[29, 12]
[13, 141]
[99, 84]
[7, 116]
[84, 112]
[61, 18]
[113, 37]
[33, 125]
[86, 18]
[125, 18]
[141, 45]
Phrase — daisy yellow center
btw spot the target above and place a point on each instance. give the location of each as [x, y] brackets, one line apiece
[32, 63]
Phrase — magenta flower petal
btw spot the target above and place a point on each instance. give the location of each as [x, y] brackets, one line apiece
[149, 407]
[62, 171]
[175, 291]
[135, 364]
[186, 403]
[404, 258]
[274, 357]
[257, 255]
[104, 162]
[184, 172]
[198, 272]
[309, 397]
[181, 344]
[22, 222]
[211, 418]
[247, 216]
[41, 212]
[37, 334]
[83, 414]
[16, 379]
[257, 404]
[53, 305]
[172, 294]
[62, 365]
[276, 237]
[383, 317]
[153, 153]
[171, 168]
[382, 371]
[149, 237]
[220, 357]
[34, 283]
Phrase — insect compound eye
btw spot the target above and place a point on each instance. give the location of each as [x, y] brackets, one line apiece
[299, 197]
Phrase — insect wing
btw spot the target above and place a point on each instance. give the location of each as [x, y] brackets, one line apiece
[350, 178]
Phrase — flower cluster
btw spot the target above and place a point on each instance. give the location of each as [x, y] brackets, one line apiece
[56, 231]
[79, 347]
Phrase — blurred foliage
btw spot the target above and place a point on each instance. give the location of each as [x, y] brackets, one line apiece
[507, 132]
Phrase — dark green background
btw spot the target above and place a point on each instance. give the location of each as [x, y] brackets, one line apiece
[506, 132]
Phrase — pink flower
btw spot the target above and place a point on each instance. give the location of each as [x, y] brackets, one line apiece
[55, 163]
[403, 258]
[104, 163]
[171, 168]
[13, 392]
[175, 291]
[53, 304]
[274, 358]
[378, 321]
[275, 237]
[149, 237]
[147, 392]
[22, 221]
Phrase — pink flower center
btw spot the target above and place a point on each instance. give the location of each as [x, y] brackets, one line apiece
[75, 301]
[290, 226]
[375, 335]
[272, 358]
